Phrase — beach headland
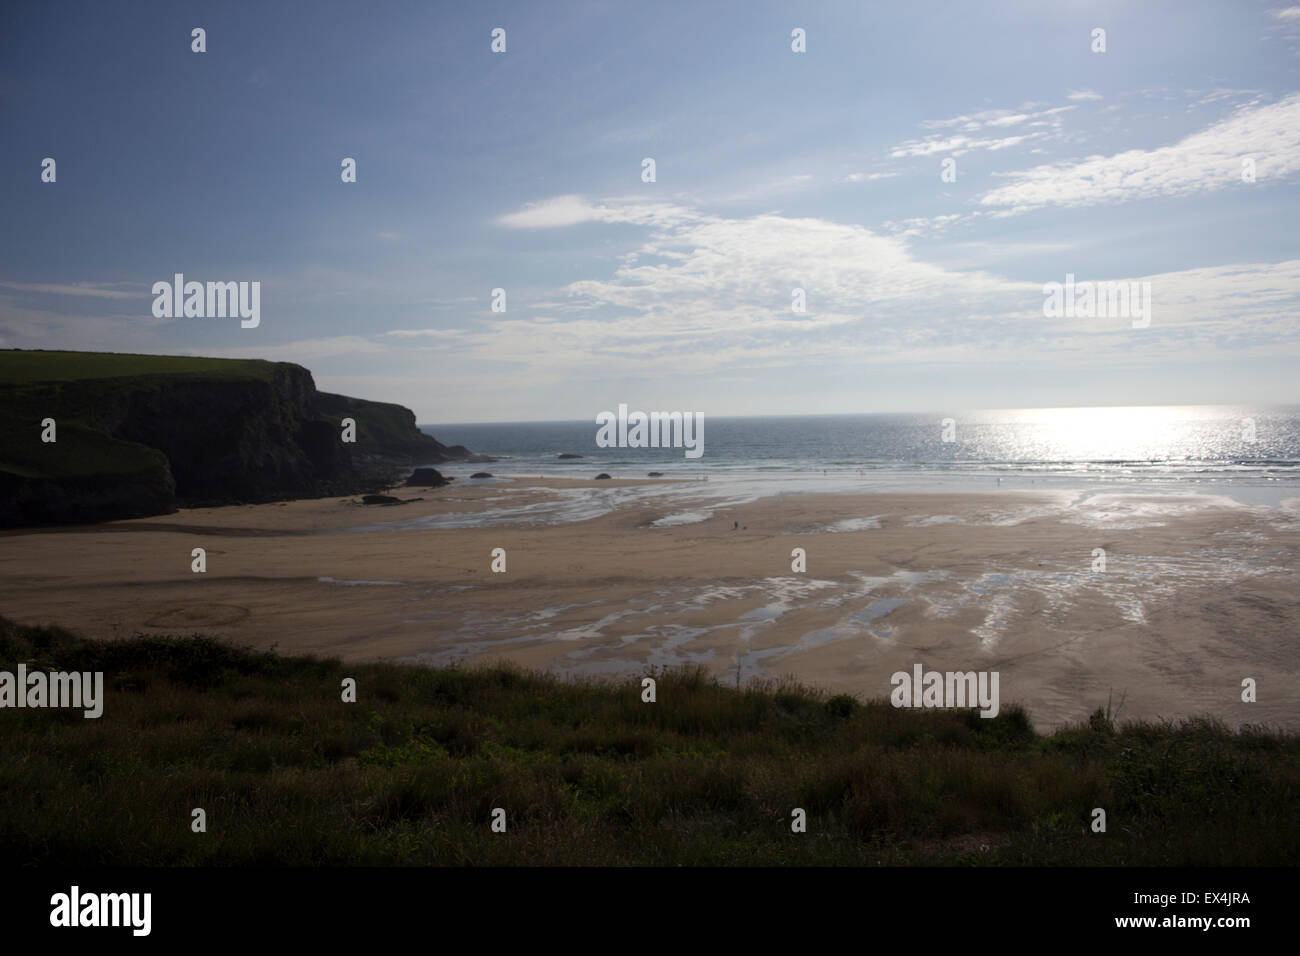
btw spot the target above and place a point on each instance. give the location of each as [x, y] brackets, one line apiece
[98, 436]
[1169, 602]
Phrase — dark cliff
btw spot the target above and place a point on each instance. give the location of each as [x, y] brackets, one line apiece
[140, 435]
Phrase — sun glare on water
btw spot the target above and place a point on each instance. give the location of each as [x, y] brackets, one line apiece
[1137, 433]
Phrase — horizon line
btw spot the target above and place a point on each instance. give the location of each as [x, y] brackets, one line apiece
[968, 411]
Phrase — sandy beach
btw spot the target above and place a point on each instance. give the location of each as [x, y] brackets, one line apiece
[1197, 594]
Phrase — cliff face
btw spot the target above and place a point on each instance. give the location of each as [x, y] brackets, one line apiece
[84, 477]
[147, 442]
[387, 429]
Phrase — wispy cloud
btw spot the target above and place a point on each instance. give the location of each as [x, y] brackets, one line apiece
[109, 291]
[923, 225]
[1028, 124]
[561, 211]
[1204, 161]
[998, 119]
[707, 293]
[957, 145]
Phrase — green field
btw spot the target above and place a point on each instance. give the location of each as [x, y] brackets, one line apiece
[25, 367]
[587, 773]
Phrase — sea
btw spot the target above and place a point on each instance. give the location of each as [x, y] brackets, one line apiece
[1246, 454]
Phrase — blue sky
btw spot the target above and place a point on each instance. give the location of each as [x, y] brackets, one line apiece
[775, 170]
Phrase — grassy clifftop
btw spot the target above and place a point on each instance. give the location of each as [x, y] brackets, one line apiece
[587, 773]
[24, 367]
[142, 434]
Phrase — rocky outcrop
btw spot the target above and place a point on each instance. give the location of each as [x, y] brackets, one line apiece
[427, 478]
[141, 435]
[389, 430]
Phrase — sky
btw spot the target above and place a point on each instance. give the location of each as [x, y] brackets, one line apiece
[920, 170]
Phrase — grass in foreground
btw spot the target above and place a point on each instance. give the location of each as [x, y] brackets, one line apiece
[588, 774]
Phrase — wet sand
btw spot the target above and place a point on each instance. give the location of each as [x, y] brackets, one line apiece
[1195, 596]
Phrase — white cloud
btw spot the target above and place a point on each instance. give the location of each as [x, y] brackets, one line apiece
[997, 118]
[1204, 161]
[1083, 95]
[82, 289]
[571, 210]
[709, 295]
[922, 225]
[715, 293]
[960, 138]
[706, 295]
[551, 213]
[957, 145]
[1207, 97]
